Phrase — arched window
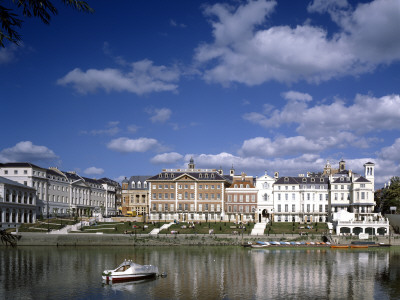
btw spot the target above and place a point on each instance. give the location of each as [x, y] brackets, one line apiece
[133, 184]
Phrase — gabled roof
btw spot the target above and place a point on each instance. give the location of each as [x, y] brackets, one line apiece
[195, 175]
[362, 179]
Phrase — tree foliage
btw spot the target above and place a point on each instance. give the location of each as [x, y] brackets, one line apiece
[42, 9]
[389, 196]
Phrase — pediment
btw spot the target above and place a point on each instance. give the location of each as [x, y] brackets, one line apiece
[185, 177]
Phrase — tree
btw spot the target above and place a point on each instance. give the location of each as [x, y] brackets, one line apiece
[389, 196]
[42, 9]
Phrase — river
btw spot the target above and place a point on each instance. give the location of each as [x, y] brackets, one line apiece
[202, 273]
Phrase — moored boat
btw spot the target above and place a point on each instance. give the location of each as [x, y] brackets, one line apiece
[128, 271]
[340, 246]
[358, 246]
[260, 244]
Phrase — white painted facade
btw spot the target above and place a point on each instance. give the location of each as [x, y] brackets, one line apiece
[17, 204]
[265, 198]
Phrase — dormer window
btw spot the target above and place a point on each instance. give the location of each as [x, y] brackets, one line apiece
[286, 179]
[341, 179]
[145, 184]
[304, 179]
[312, 179]
[133, 184]
[321, 180]
[200, 175]
[172, 175]
[235, 186]
[166, 175]
[139, 184]
[212, 175]
[159, 175]
[206, 175]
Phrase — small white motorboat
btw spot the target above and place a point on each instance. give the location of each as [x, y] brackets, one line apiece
[128, 271]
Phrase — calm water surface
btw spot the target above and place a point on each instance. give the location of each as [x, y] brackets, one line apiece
[202, 273]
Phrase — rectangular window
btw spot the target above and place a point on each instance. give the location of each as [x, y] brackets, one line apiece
[279, 196]
[336, 196]
[286, 208]
[186, 186]
[160, 186]
[206, 196]
[172, 196]
[159, 207]
[154, 187]
[180, 206]
[25, 171]
[159, 196]
[186, 207]
[320, 208]
[171, 186]
[192, 196]
[171, 207]
[218, 207]
[234, 198]
[166, 186]
[166, 207]
[293, 196]
[253, 198]
[154, 206]
[218, 187]
[212, 196]
[286, 197]
[179, 186]
[240, 198]
[293, 207]
[206, 186]
[320, 197]
[191, 207]
[166, 195]
[212, 186]
[200, 207]
[186, 195]
[200, 196]
[6, 172]
[308, 207]
[341, 196]
[247, 208]
[279, 208]
[212, 207]
[247, 198]
[15, 171]
[362, 195]
[200, 186]
[218, 196]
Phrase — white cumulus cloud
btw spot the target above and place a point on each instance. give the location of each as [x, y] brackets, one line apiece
[26, 151]
[166, 158]
[159, 114]
[124, 144]
[143, 77]
[93, 171]
[245, 52]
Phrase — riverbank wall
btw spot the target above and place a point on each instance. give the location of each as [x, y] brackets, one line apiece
[87, 239]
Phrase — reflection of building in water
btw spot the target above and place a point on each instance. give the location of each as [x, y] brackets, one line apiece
[317, 273]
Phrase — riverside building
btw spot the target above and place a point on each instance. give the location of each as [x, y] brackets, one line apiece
[187, 194]
[63, 193]
[17, 204]
[135, 195]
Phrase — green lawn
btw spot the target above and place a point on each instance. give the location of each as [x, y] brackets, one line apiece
[122, 227]
[295, 228]
[43, 225]
[205, 227]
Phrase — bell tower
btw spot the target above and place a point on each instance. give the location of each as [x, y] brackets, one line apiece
[191, 163]
[369, 172]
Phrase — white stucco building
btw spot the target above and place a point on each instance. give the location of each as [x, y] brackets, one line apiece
[265, 198]
[17, 204]
[63, 193]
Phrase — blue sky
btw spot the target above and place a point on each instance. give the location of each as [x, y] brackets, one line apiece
[139, 86]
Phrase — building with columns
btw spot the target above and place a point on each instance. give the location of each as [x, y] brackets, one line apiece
[63, 193]
[17, 204]
[135, 195]
[187, 194]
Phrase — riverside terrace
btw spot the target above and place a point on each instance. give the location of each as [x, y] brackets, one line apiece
[131, 227]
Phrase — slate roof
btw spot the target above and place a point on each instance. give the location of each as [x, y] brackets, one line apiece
[195, 175]
[12, 182]
[302, 180]
[136, 179]
[362, 179]
[20, 165]
[345, 180]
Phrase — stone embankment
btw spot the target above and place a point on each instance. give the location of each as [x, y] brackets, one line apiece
[87, 239]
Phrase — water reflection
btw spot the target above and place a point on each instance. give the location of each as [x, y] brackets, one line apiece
[201, 273]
